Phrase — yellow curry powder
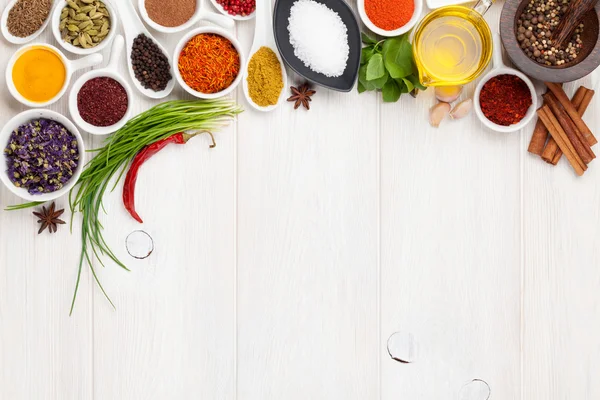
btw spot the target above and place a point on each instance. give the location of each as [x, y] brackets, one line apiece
[264, 77]
[39, 74]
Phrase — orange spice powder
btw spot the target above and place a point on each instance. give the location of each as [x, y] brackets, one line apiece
[209, 63]
[389, 14]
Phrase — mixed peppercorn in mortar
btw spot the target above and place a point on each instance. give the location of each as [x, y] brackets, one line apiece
[535, 27]
[41, 156]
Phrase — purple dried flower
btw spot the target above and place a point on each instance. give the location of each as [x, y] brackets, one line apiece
[41, 156]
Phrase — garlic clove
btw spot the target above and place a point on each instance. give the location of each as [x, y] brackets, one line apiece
[462, 109]
[437, 113]
[448, 94]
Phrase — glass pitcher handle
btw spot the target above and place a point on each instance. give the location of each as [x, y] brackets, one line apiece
[483, 5]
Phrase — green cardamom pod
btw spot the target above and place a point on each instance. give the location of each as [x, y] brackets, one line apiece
[85, 24]
[64, 13]
[82, 39]
[73, 28]
[71, 13]
[76, 42]
[87, 1]
[73, 5]
[92, 32]
[87, 9]
[81, 17]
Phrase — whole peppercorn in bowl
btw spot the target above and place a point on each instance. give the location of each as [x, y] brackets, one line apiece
[527, 28]
[43, 155]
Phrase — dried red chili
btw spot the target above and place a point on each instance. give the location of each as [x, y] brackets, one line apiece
[141, 157]
[505, 99]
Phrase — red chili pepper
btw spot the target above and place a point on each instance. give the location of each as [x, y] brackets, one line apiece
[141, 157]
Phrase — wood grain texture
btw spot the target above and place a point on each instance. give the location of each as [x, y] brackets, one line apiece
[286, 256]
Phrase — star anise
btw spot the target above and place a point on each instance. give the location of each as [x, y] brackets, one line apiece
[301, 95]
[49, 218]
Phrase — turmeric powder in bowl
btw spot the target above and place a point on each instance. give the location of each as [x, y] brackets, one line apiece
[39, 74]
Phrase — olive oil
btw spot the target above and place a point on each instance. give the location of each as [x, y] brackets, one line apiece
[452, 46]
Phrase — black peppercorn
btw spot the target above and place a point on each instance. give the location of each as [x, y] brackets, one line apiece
[150, 65]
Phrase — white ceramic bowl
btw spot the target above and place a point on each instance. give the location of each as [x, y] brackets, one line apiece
[111, 71]
[236, 17]
[200, 14]
[15, 39]
[184, 40]
[23, 118]
[396, 32]
[530, 112]
[79, 50]
[70, 67]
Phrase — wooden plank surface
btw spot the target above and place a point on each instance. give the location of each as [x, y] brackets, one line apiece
[286, 257]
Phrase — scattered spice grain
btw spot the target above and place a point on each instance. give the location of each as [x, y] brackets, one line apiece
[389, 15]
[102, 101]
[27, 17]
[170, 13]
[150, 65]
[264, 77]
[209, 63]
[505, 99]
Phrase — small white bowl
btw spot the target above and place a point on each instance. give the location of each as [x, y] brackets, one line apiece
[200, 14]
[501, 69]
[110, 71]
[19, 40]
[23, 118]
[71, 66]
[235, 17]
[184, 40]
[396, 32]
[80, 50]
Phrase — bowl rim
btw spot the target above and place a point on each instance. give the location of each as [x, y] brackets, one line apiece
[114, 20]
[29, 115]
[531, 111]
[416, 17]
[185, 39]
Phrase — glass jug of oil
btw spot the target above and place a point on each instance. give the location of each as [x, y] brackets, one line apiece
[453, 45]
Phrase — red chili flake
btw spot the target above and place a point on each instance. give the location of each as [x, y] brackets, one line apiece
[505, 99]
[102, 101]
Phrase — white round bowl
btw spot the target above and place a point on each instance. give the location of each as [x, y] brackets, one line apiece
[111, 71]
[15, 39]
[70, 68]
[21, 119]
[531, 112]
[396, 32]
[184, 40]
[80, 50]
[235, 17]
[200, 14]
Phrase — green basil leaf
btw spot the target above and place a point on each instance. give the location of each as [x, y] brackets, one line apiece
[378, 83]
[390, 91]
[375, 68]
[366, 54]
[398, 58]
[367, 38]
[361, 88]
[409, 85]
[414, 79]
[362, 78]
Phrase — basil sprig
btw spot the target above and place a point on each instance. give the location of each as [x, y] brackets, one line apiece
[387, 65]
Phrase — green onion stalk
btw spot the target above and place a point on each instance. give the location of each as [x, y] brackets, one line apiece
[157, 123]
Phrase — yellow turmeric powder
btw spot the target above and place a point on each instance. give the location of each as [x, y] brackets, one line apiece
[39, 74]
[264, 77]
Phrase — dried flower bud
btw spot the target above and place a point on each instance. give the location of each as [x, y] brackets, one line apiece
[437, 113]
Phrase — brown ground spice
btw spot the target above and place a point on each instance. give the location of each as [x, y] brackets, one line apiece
[170, 13]
[27, 16]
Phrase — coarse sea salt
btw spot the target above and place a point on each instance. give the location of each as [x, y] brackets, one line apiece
[319, 37]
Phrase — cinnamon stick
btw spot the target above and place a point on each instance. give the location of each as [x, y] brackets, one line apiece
[538, 139]
[573, 134]
[560, 137]
[581, 101]
[564, 101]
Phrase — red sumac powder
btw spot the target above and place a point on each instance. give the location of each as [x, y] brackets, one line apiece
[505, 99]
[102, 101]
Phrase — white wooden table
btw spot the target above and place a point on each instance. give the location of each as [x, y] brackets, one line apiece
[286, 257]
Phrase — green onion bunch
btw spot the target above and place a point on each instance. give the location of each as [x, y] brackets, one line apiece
[157, 123]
